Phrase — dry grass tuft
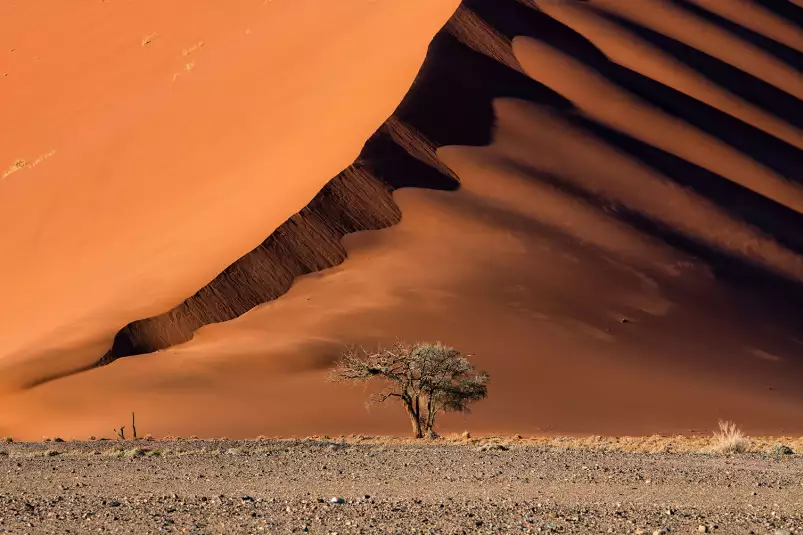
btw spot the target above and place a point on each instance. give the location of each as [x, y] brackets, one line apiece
[135, 452]
[779, 449]
[730, 439]
[6, 440]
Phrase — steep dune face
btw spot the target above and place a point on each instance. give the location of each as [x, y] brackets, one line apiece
[621, 253]
[154, 145]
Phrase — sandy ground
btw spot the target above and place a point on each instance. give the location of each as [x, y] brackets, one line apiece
[621, 254]
[209, 487]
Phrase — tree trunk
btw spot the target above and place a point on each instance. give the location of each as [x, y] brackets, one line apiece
[415, 418]
[430, 415]
[416, 425]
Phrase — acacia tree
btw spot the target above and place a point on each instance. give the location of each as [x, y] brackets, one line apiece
[427, 378]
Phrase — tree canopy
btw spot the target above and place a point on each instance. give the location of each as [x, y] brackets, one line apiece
[427, 378]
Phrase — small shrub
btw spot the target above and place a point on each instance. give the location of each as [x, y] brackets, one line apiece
[135, 452]
[781, 449]
[50, 453]
[154, 453]
[7, 440]
[730, 439]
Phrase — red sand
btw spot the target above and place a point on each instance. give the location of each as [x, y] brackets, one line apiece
[157, 184]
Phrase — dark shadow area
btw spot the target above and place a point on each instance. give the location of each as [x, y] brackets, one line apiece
[778, 155]
[781, 157]
[784, 9]
[450, 100]
[512, 19]
[740, 202]
[788, 55]
[398, 169]
[754, 90]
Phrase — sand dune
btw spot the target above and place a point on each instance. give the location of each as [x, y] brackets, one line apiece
[604, 211]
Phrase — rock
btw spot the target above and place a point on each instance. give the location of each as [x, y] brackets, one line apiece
[702, 529]
[336, 500]
[782, 532]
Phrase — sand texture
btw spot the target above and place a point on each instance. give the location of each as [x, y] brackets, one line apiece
[599, 201]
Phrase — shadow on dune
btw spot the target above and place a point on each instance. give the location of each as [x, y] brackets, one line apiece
[512, 19]
[784, 9]
[775, 291]
[740, 202]
[781, 157]
[784, 106]
[450, 103]
[788, 55]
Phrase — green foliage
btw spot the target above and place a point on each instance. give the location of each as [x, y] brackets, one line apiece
[427, 378]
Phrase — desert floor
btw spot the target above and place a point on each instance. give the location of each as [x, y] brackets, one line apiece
[386, 486]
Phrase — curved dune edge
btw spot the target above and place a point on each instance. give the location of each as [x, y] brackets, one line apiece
[357, 199]
[178, 140]
[548, 189]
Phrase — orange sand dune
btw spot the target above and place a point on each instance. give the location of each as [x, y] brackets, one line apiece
[621, 253]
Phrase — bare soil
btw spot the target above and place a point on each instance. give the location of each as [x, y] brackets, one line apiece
[227, 487]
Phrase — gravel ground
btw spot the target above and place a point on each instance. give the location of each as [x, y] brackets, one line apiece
[232, 487]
